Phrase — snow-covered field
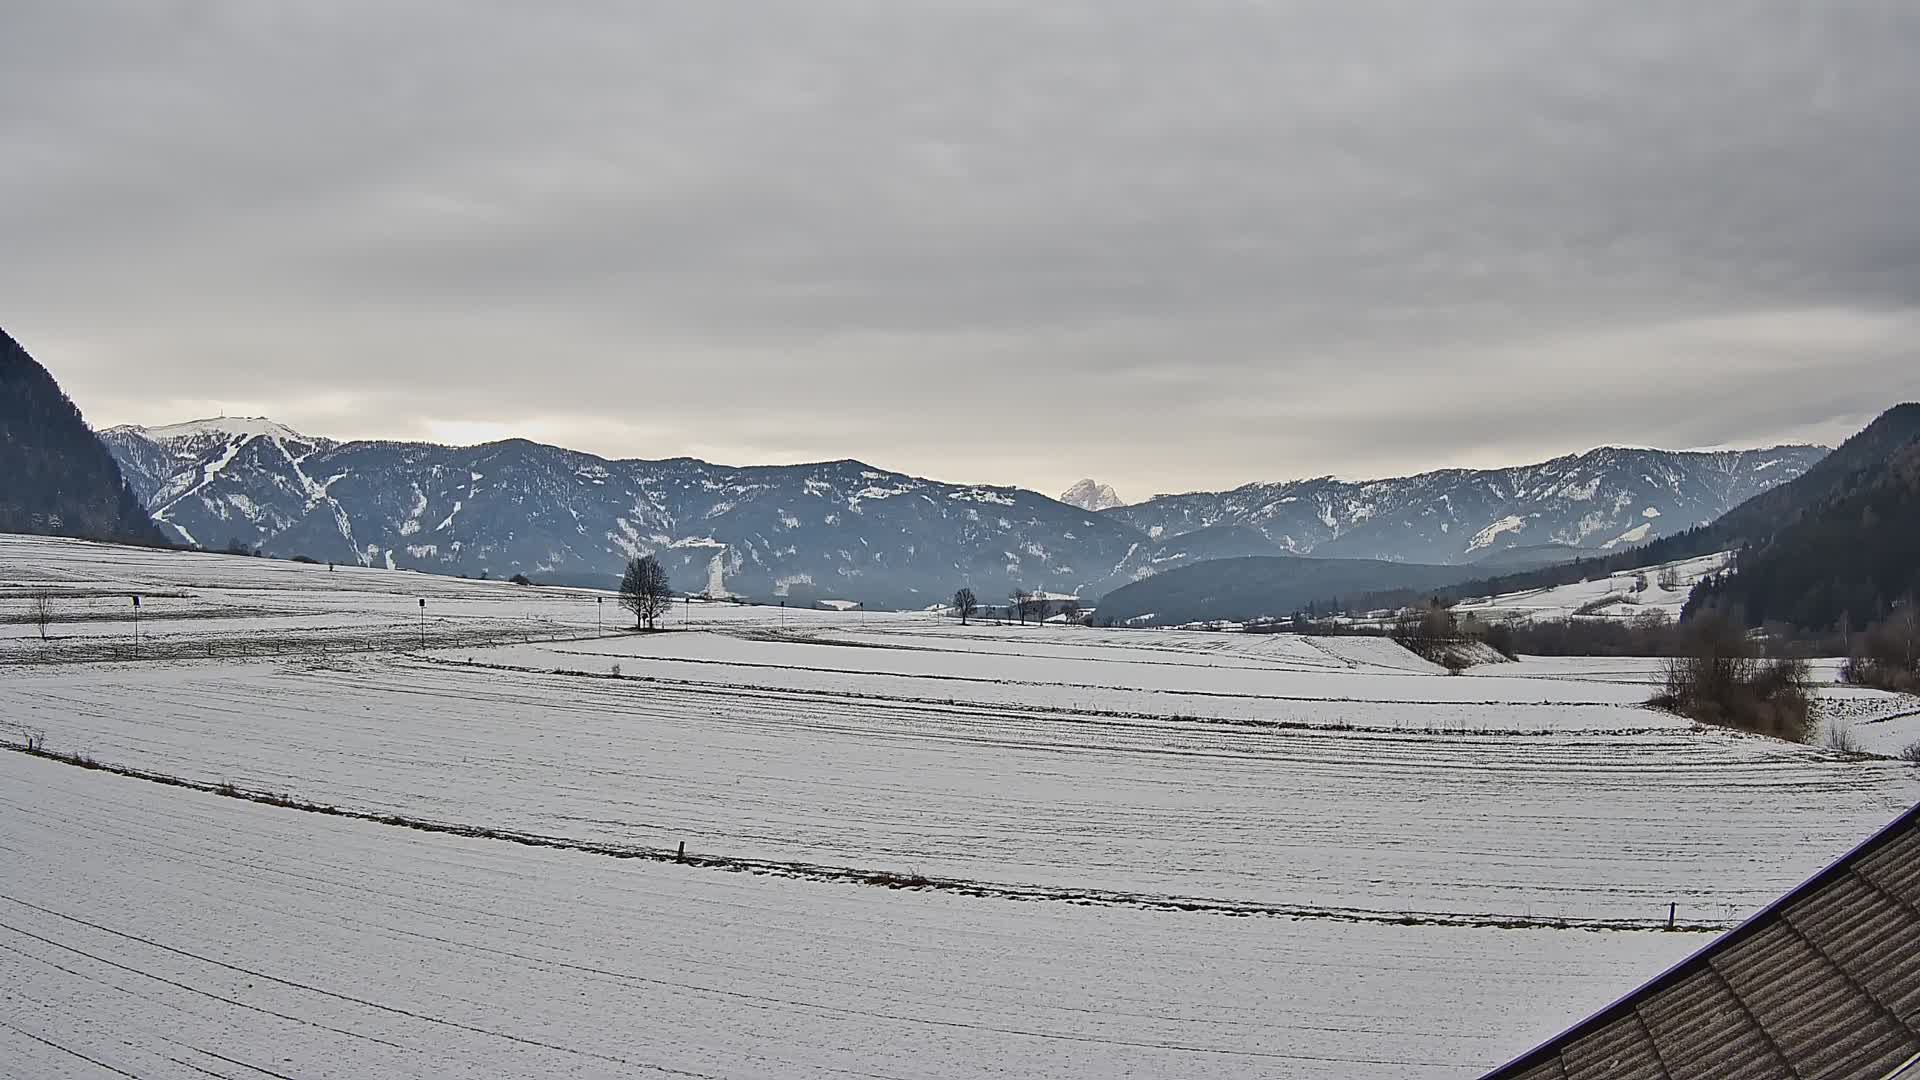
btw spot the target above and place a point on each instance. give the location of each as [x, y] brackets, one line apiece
[1158, 853]
[1576, 825]
[163, 933]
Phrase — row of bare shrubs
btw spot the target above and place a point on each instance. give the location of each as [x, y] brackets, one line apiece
[1719, 677]
[1433, 633]
[1887, 655]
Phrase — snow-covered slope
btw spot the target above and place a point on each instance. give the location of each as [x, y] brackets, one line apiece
[196, 477]
[224, 427]
[1604, 499]
[1627, 594]
[1088, 495]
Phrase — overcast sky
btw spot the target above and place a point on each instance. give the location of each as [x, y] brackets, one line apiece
[1169, 245]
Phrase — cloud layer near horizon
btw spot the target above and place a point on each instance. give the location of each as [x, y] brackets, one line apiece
[1170, 246]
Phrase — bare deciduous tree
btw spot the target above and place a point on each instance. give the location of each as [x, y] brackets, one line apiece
[965, 604]
[1888, 654]
[1428, 630]
[40, 610]
[1037, 607]
[1021, 601]
[645, 590]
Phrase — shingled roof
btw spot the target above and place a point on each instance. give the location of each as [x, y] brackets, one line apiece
[1824, 983]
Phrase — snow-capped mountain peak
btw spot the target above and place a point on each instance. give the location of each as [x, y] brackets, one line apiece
[1088, 495]
[227, 427]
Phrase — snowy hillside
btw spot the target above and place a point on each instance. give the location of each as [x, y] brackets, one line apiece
[1627, 594]
[1605, 499]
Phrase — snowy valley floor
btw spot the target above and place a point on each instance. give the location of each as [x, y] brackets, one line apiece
[1147, 853]
[177, 931]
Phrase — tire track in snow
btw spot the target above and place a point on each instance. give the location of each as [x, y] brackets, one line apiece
[871, 1014]
[96, 1062]
[322, 991]
[935, 677]
[802, 693]
[176, 985]
[82, 976]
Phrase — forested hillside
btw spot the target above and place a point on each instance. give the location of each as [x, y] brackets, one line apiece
[1261, 587]
[1842, 564]
[56, 478]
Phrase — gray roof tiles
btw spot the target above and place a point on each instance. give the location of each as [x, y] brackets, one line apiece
[1825, 983]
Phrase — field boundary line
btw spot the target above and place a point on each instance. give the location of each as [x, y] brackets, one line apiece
[1077, 711]
[879, 878]
[617, 658]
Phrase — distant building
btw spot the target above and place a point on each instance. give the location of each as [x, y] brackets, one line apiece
[1049, 605]
[1041, 607]
[1824, 983]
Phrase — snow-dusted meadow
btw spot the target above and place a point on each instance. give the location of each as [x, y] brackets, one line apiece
[915, 849]
[171, 934]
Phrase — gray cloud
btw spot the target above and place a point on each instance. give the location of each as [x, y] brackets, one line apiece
[1172, 246]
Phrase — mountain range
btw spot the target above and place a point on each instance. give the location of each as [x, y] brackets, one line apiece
[1600, 500]
[1830, 548]
[831, 529]
[844, 529]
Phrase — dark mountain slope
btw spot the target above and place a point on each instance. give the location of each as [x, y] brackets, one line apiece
[1760, 515]
[1841, 564]
[1260, 587]
[56, 478]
